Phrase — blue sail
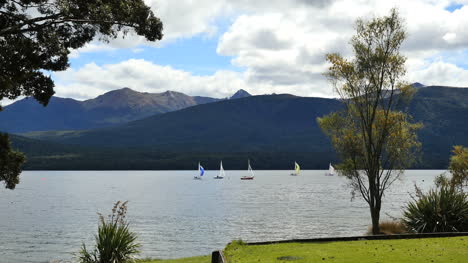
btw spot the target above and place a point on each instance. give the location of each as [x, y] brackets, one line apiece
[202, 171]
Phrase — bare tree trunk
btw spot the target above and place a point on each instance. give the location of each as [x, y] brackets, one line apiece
[375, 215]
[374, 204]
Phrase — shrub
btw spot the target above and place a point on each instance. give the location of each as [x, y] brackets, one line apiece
[115, 243]
[390, 228]
[444, 209]
[236, 244]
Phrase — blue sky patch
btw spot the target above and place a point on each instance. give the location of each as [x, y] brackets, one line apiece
[453, 7]
[196, 55]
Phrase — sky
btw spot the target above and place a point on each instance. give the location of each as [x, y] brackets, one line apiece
[216, 47]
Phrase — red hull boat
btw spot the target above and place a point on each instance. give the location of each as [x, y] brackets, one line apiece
[247, 178]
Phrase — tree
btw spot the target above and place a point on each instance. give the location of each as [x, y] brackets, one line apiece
[10, 163]
[374, 139]
[36, 37]
[458, 166]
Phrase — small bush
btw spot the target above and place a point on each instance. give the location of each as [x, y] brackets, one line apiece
[443, 209]
[114, 241]
[232, 247]
[390, 228]
[236, 244]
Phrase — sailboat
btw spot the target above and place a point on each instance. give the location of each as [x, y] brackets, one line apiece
[202, 172]
[250, 176]
[297, 169]
[221, 172]
[331, 171]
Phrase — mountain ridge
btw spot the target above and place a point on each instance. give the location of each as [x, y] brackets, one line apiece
[109, 109]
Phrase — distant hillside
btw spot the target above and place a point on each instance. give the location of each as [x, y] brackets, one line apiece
[110, 109]
[444, 113]
[257, 123]
[44, 155]
[274, 126]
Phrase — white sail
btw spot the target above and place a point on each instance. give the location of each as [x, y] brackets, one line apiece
[221, 171]
[250, 170]
[331, 169]
[251, 173]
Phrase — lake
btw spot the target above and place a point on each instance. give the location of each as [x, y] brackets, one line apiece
[51, 213]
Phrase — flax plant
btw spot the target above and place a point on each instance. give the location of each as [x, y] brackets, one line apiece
[115, 243]
[443, 209]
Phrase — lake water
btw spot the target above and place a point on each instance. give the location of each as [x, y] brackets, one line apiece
[50, 214]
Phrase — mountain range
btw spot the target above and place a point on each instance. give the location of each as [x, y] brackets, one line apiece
[110, 109]
[272, 130]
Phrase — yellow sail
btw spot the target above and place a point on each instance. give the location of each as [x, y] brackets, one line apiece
[297, 168]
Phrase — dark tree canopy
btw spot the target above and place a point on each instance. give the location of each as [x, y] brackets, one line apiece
[36, 36]
[10, 163]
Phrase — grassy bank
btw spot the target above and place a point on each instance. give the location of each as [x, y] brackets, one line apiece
[453, 249]
[202, 259]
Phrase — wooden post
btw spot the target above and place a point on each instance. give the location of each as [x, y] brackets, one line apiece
[215, 257]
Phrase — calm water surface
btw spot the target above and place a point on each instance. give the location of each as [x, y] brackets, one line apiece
[50, 214]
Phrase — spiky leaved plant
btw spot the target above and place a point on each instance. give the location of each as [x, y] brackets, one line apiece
[115, 243]
[443, 209]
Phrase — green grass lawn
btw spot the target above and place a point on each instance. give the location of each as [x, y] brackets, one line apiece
[427, 250]
[202, 259]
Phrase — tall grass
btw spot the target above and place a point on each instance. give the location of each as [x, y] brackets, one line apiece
[115, 243]
[394, 227]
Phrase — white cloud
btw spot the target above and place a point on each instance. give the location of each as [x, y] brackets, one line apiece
[188, 18]
[440, 73]
[288, 46]
[93, 80]
[450, 37]
[91, 48]
[280, 48]
[281, 44]
[185, 18]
